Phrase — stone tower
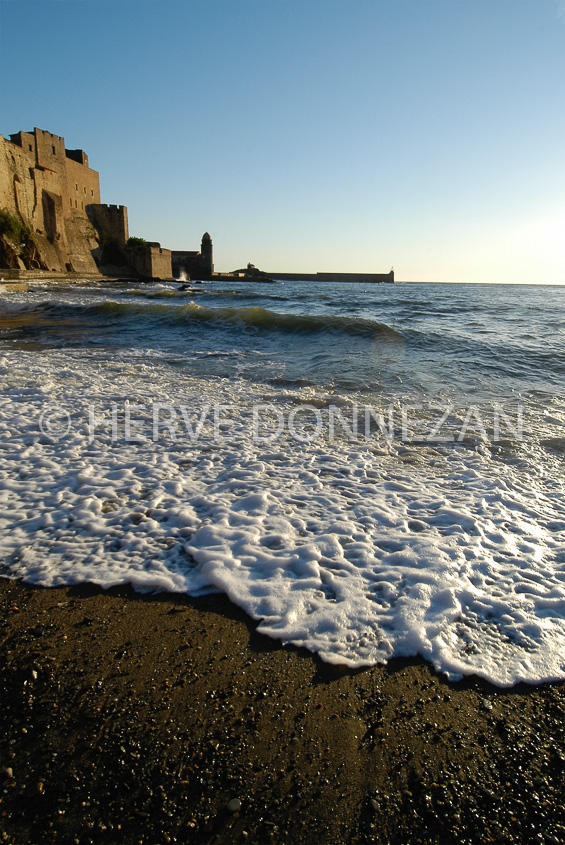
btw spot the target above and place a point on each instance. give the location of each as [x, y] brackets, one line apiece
[207, 258]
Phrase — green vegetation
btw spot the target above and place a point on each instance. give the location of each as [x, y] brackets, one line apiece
[111, 252]
[136, 242]
[13, 228]
[17, 243]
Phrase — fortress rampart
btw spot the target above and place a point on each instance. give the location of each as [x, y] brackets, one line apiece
[50, 199]
[49, 189]
[150, 261]
[111, 221]
[54, 194]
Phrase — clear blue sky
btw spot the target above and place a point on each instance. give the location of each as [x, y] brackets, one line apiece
[312, 134]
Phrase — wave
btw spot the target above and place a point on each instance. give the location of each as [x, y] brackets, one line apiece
[163, 293]
[8, 306]
[253, 318]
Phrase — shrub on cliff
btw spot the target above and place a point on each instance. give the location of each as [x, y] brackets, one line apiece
[17, 244]
[13, 228]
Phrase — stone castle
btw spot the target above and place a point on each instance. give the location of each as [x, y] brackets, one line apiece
[52, 220]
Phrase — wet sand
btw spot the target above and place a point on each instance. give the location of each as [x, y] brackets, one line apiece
[166, 719]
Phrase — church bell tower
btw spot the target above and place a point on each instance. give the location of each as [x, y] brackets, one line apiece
[207, 258]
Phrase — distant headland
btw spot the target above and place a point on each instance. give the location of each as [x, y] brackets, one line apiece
[52, 224]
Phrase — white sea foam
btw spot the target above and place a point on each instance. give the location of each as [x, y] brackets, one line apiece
[357, 551]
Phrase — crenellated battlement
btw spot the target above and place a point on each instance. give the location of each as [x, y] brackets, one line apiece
[111, 221]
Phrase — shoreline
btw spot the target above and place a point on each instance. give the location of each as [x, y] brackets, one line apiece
[137, 719]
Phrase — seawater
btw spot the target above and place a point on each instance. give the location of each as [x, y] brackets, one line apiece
[371, 471]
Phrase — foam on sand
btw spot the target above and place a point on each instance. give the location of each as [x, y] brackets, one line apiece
[359, 551]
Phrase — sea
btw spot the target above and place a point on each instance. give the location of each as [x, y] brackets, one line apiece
[370, 471]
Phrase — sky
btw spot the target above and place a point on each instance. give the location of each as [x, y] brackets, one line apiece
[312, 135]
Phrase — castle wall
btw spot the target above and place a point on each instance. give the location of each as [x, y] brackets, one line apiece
[111, 221]
[197, 265]
[82, 187]
[17, 184]
[150, 261]
[50, 191]
[55, 193]
[161, 263]
[185, 262]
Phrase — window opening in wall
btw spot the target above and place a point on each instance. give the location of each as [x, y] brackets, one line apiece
[71, 203]
[76, 187]
[52, 150]
[85, 190]
[76, 204]
[30, 147]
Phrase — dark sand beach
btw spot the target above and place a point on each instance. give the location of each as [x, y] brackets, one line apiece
[163, 719]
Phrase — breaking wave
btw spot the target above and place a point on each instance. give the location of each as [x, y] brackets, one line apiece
[256, 317]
